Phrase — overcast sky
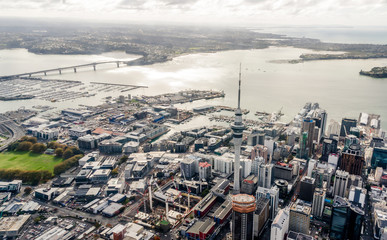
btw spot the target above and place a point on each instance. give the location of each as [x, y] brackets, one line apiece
[239, 12]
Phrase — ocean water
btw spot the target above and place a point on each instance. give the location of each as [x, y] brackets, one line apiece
[266, 85]
[344, 34]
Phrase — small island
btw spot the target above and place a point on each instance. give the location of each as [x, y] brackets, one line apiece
[376, 72]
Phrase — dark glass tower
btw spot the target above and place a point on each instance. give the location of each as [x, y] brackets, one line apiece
[346, 221]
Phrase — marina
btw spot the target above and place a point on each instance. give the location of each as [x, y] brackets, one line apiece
[55, 90]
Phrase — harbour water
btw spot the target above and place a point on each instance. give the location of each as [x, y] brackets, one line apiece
[266, 85]
[334, 34]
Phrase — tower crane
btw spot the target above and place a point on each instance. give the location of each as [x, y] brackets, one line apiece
[188, 189]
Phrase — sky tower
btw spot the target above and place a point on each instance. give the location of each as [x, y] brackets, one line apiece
[237, 128]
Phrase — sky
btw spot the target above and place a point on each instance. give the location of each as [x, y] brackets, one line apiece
[224, 12]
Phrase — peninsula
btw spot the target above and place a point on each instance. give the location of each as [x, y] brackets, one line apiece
[376, 72]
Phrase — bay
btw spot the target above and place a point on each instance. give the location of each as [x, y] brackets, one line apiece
[266, 85]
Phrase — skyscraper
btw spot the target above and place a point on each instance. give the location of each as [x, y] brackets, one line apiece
[329, 146]
[237, 128]
[273, 195]
[307, 187]
[318, 202]
[352, 160]
[340, 184]
[308, 127]
[243, 207]
[346, 125]
[299, 220]
[346, 221]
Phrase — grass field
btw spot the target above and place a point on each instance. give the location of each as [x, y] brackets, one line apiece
[28, 161]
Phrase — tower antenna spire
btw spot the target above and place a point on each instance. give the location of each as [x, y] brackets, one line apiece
[239, 89]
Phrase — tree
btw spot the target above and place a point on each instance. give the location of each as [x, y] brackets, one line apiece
[24, 146]
[67, 164]
[75, 150]
[59, 152]
[27, 190]
[53, 145]
[123, 159]
[205, 192]
[38, 148]
[13, 146]
[114, 172]
[29, 139]
[68, 154]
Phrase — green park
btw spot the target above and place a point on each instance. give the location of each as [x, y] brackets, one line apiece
[28, 161]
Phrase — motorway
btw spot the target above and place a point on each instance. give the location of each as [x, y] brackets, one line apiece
[14, 129]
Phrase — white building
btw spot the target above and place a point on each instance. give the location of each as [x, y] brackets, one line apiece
[280, 225]
[318, 202]
[265, 175]
[333, 160]
[100, 176]
[269, 143]
[357, 196]
[77, 131]
[378, 174]
[10, 227]
[204, 170]
[130, 147]
[340, 184]
[223, 165]
[333, 128]
[245, 167]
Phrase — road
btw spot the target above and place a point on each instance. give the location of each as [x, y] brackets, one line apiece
[14, 129]
[75, 213]
[368, 231]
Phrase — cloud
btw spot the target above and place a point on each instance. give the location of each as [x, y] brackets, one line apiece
[351, 12]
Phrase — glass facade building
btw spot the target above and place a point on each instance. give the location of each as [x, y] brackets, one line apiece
[346, 220]
[379, 157]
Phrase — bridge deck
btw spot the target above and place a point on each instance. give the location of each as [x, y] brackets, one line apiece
[62, 68]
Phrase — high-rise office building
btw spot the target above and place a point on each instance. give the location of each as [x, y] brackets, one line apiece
[307, 189]
[340, 184]
[352, 160]
[238, 128]
[261, 215]
[306, 148]
[243, 207]
[273, 195]
[300, 217]
[379, 157]
[318, 202]
[333, 128]
[346, 125]
[322, 177]
[346, 220]
[321, 121]
[357, 196]
[302, 151]
[188, 167]
[329, 146]
[263, 171]
[280, 225]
